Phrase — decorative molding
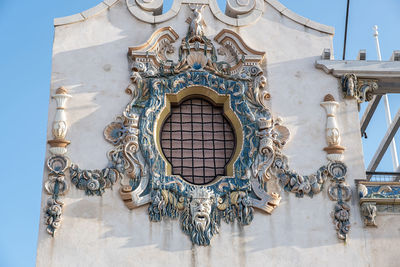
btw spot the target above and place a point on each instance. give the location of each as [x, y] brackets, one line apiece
[386, 74]
[299, 19]
[249, 14]
[379, 192]
[57, 164]
[84, 15]
[364, 69]
[360, 89]
[93, 182]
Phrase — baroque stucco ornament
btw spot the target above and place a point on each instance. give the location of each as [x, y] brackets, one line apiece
[225, 71]
[360, 89]
[57, 164]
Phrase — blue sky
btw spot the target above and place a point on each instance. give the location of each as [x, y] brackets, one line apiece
[26, 27]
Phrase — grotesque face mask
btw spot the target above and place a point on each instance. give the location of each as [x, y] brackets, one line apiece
[196, 220]
[200, 209]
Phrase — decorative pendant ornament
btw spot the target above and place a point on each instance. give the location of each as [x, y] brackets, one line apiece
[57, 164]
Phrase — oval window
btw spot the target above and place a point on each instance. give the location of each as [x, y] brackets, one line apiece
[197, 140]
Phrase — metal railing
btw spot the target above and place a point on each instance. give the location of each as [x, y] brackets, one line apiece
[383, 176]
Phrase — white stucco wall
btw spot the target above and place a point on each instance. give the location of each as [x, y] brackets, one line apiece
[89, 59]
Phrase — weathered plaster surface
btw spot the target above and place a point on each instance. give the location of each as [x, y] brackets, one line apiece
[89, 58]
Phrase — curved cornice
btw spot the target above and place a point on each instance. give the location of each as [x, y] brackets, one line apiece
[106, 4]
[299, 19]
[242, 20]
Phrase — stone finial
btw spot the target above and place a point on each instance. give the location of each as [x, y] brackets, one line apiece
[61, 91]
[329, 97]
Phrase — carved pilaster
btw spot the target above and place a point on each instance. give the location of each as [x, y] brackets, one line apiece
[360, 89]
[57, 164]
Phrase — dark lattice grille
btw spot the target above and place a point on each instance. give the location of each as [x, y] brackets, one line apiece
[197, 140]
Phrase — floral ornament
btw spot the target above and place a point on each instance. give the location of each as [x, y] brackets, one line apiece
[309, 185]
[53, 215]
[293, 182]
[114, 132]
[341, 218]
[93, 182]
[337, 170]
[339, 191]
[55, 186]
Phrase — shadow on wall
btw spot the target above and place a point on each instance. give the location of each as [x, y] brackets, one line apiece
[295, 224]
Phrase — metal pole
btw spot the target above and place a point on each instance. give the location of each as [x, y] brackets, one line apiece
[345, 30]
[393, 149]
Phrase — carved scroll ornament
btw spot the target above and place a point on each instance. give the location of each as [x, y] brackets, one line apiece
[360, 89]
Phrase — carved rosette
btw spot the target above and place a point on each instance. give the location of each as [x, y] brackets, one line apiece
[57, 164]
